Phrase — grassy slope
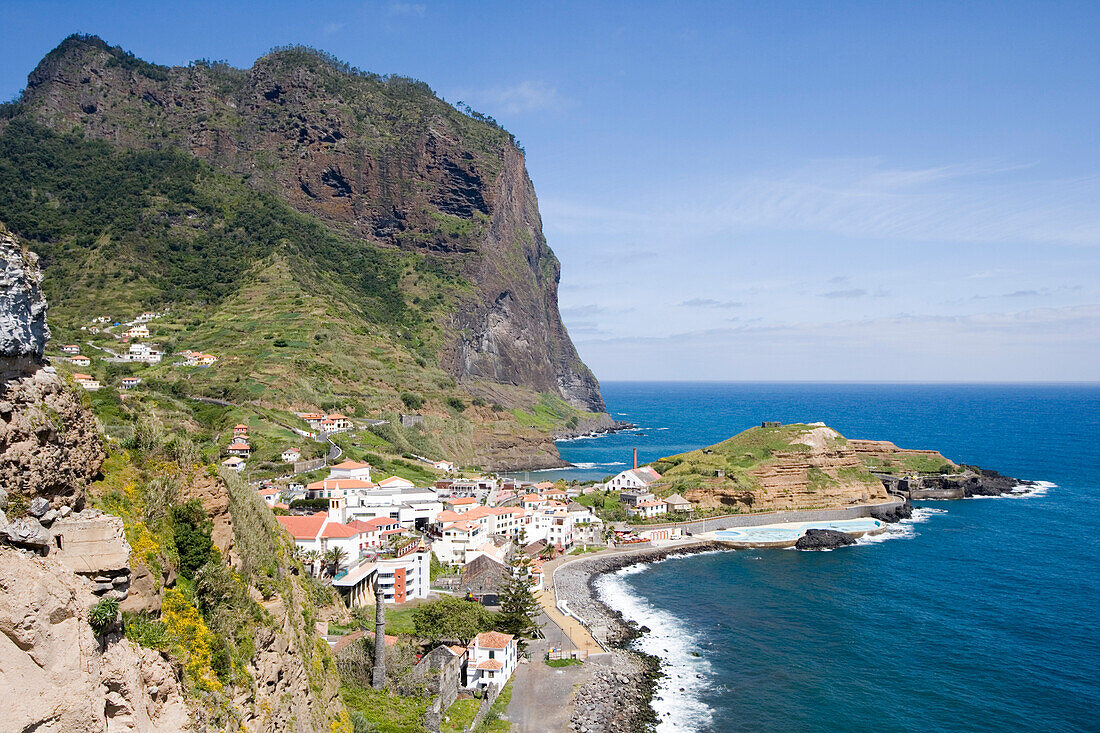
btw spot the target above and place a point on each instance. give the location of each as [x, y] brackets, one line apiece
[744, 453]
[121, 232]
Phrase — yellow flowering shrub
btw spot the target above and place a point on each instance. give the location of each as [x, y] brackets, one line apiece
[143, 545]
[191, 639]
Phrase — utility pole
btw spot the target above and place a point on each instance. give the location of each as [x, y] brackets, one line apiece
[378, 680]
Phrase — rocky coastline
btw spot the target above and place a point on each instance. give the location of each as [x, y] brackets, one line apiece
[618, 698]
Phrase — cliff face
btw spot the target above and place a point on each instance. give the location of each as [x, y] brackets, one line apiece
[381, 158]
[49, 444]
[772, 468]
[57, 676]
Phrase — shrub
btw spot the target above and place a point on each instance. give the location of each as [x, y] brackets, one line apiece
[191, 532]
[103, 614]
[412, 401]
[456, 404]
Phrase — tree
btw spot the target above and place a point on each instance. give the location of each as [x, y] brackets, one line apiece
[451, 618]
[518, 606]
[334, 558]
[313, 557]
[191, 530]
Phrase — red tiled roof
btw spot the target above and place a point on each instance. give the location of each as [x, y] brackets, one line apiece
[448, 516]
[303, 528]
[493, 640]
[351, 465]
[335, 530]
[268, 492]
[490, 664]
[239, 446]
[340, 483]
[461, 502]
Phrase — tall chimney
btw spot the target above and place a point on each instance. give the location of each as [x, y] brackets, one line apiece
[635, 458]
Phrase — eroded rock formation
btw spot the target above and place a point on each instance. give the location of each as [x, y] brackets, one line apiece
[58, 677]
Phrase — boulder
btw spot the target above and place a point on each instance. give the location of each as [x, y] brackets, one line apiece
[29, 533]
[823, 539]
[3, 498]
[38, 507]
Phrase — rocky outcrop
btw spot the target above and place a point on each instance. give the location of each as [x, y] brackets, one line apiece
[23, 329]
[820, 469]
[58, 677]
[49, 445]
[823, 539]
[382, 158]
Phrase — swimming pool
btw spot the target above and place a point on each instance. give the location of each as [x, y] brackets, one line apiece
[774, 533]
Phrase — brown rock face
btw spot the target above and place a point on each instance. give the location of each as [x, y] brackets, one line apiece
[49, 444]
[382, 158]
[56, 676]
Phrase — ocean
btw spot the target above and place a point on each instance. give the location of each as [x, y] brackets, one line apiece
[977, 615]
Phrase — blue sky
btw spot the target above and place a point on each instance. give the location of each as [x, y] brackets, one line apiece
[768, 190]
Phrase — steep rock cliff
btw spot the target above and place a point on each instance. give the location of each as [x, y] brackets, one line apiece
[57, 677]
[381, 158]
[49, 445]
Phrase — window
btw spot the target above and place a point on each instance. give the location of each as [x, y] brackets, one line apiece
[492, 654]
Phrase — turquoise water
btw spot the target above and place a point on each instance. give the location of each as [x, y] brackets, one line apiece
[979, 616]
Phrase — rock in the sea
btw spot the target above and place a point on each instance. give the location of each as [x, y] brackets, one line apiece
[823, 539]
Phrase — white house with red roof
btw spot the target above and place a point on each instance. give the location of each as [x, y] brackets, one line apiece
[234, 463]
[270, 496]
[70, 349]
[318, 532]
[350, 469]
[240, 429]
[395, 482]
[239, 448]
[532, 502]
[648, 508]
[334, 423]
[377, 532]
[633, 479]
[490, 660]
[330, 488]
[460, 505]
[80, 360]
[457, 539]
[290, 455]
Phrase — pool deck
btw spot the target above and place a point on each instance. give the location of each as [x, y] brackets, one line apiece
[786, 534]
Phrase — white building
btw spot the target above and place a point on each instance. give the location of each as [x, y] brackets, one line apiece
[350, 469]
[633, 479]
[456, 540]
[490, 660]
[144, 353]
[234, 463]
[139, 331]
[648, 508]
[290, 455]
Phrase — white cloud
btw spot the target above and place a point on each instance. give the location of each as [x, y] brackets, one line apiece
[1044, 343]
[863, 198]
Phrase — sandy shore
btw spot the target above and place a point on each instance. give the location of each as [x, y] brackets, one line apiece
[617, 699]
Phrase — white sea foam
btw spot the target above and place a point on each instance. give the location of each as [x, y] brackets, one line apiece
[670, 640]
[903, 530]
[1032, 491]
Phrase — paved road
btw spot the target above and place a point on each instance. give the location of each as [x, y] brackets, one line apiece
[541, 695]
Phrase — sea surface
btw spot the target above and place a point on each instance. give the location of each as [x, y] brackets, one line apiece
[978, 615]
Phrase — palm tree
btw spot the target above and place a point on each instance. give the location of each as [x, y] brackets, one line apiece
[313, 557]
[335, 558]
